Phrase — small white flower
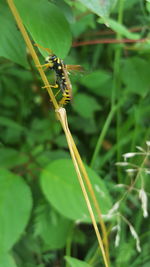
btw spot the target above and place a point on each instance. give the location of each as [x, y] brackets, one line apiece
[131, 170]
[129, 155]
[140, 148]
[117, 239]
[122, 163]
[147, 171]
[120, 185]
[114, 208]
[148, 143]
[107, 216]
[97, 188]
[143, 198]
[134, 234]
[114, 228]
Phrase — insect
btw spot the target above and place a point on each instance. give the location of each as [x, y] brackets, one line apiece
[62, 78]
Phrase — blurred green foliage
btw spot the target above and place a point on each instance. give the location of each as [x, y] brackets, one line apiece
[42, 211]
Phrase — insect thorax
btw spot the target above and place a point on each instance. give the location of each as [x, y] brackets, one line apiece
[58, 66]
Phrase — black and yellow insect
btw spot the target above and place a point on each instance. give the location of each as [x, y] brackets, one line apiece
[62, 79]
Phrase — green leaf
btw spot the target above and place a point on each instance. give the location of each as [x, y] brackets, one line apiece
[60, 185]
[86, 125]
[7, 260]
[148, 6]
[12, 45]
[73, 262]
[46, 24]
[79, 236]
[98, 82]
[60, 141]
[44, 158]
[119, 28]
[83, 24]
[135, 75]
[100, 7]
[67, 10]
[4, 121]
[15, 208]
[51, 227]
[10, 157]
[85, 105]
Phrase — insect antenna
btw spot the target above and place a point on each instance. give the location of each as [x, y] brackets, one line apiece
[43, 48]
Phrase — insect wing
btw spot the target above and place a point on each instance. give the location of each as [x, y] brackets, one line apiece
[68, 83]
[78, 68]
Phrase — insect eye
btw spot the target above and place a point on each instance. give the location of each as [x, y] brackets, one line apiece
[52, 57]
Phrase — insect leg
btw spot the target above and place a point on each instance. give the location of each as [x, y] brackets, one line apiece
[49, 86]
[45, 66]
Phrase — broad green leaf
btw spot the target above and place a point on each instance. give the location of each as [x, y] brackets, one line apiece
[10, 157]
[135, 75]
[46, 24]
[73, 262]
[53, 228]
[85, 105]
[119, 28]
[15, 208]
[100, 7]
[98, 82]
[61, 187]
[7, 260]
[67, 10]
[12, 45]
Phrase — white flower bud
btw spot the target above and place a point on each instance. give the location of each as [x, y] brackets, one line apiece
[129, 155]
[122, 163]
[148, 143]
[143, 198]
[134, 234]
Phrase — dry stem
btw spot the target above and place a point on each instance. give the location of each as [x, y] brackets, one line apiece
[73, 150]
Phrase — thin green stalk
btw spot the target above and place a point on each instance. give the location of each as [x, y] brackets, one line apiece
[117, 56]
[102, 135]
[116, 78]
[116, 85]
[94, 258]
[68, 244]
[104, 130]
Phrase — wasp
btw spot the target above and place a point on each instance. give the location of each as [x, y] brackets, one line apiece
[62, 75]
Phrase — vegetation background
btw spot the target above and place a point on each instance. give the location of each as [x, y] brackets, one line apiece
[43, 218]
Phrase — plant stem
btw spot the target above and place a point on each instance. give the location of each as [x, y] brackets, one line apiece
[116, 79]
[116, 85]
[102, 135]
[76, 158]
[68, 245]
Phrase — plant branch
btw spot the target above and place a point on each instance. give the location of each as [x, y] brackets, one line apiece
[63, 119]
